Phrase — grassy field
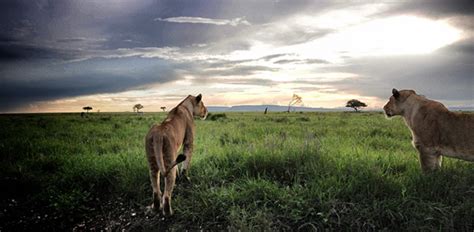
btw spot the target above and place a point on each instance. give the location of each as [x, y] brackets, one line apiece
[250, 172]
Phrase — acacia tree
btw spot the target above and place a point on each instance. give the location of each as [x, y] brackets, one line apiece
[294, 100]
[137, 107]
[163, 108]
[87, 108]
[355, 104]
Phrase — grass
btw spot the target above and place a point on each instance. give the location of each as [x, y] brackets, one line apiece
[250, 172]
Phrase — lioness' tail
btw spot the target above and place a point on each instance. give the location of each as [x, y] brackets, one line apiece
[178, 160]
[158, 143]
[158, 152]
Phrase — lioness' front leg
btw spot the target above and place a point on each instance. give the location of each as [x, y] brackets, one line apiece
[430, 159]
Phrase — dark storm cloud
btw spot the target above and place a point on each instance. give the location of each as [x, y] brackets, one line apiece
[435, 8]
[10, 52]
[49, 82]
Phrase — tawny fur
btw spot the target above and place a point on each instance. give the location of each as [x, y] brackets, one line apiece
[163, 142]
[436, 131]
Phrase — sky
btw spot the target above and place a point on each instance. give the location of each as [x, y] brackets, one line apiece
[61, 55]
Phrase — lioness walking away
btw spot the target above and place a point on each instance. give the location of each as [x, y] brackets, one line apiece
[435, 130]
[162, 144]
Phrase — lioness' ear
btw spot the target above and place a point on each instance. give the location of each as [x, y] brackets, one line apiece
[198, 98]
[395, 93]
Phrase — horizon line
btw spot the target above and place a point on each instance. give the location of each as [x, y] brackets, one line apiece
[315, 109]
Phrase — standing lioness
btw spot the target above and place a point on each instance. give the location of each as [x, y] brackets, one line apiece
[436, 131]
[163, 142]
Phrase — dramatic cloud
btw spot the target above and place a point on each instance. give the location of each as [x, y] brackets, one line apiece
[43, 81]
[445, 75]
[58, 55]
[459, 12]
[434, 8]
[16, 52]
[199, 20]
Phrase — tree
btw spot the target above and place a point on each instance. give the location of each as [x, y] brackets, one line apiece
[87, 108]
[163, 108]
[294, 100]
[137, 107]
[355, 104]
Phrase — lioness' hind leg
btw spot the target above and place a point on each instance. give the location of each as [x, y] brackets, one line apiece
[154, 177]
[169, 185]
[188, 153]
[155, 182]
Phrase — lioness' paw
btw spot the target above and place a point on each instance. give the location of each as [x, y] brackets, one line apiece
[167, 211]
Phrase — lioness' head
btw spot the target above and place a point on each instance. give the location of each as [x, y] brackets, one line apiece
[199, 109]
[397, 102]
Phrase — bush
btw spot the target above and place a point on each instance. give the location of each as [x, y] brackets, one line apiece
[217, 117]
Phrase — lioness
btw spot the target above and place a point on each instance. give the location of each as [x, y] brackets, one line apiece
[162, 144]
[435, 130]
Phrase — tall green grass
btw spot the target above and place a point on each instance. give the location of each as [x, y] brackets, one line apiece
[308, 171]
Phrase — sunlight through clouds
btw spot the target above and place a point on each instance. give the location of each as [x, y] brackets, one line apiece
[401, 35]
[253, 52]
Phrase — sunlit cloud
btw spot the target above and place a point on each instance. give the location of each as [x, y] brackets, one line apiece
[401, 35]
[199, 20]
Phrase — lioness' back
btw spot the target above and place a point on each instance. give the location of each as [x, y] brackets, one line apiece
[460, 127]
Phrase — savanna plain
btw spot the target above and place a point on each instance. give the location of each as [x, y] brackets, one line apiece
[250, 172]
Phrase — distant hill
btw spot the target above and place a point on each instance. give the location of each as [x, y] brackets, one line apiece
[278, 108]
[461, 108]
[271, 108]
